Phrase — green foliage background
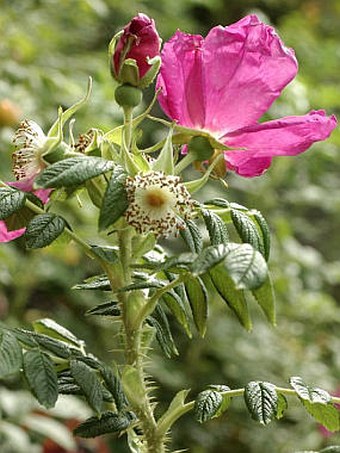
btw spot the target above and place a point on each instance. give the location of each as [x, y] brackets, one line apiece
[47, 50]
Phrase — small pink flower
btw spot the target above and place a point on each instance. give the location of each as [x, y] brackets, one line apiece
[140, 42]
[224, 83]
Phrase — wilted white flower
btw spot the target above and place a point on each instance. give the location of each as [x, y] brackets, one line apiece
[30, 142]
[158, 203]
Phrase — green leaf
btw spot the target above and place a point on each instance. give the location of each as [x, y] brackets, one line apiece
[43, 230]
[217, 229]
[52, 329]
[171, 414]
[198, 299]
[11, 201]
[106, 253]
[246, 266]
[282, 405]
[165, 160]
[234, 298]
[52, 345]
[160, 322]
[88, 381]
[326, 414]
[207, 405]
[41, 377]
[210, 257]
[115, 200]
[73, 171]
[177, 308]
[264, 228]
[110, 308]
[262, 401]
[308, 393]
[115, 387]
[97, 282]
[10, 354]
[265, 297]
[247, 230]
[109, 422]
[192, 236]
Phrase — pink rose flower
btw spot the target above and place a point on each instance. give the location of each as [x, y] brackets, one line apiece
[140, 42]
[224, 83]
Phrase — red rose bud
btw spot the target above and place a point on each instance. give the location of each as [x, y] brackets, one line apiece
[135, 52]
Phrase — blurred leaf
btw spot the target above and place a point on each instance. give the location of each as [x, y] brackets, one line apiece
[10, 354]
[282, 405]
[160, 322]
[177, 308]
[41, 377]
[97, 282]
[43, 230]
[106, 253]
[265, 231]
[11, 201]
[265, 297]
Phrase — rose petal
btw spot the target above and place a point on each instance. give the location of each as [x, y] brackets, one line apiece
[181, 80]
[7, 236]
[246, 68]
[284, 137]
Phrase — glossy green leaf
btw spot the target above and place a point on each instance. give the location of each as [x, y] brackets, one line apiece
[234, 298]
[43, 230]
[326, 414]
[198, 299]
[115, 200]
[52, 329]
[217, 229]
[10, 354]
[88, 381]
[246, 266]
[11, 201]
[73, 171]
[262, 401]
[109, 422]
[210, 257]
[308, 393]
[41, 377]
[207, 405]
[265, 297]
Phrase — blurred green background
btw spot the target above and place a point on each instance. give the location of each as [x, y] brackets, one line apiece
[48, 49]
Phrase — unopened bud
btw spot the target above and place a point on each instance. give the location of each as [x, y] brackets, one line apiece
[128, 96]
[201, 148]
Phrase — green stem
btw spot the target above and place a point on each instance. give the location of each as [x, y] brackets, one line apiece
[134, 351]
[187, 160]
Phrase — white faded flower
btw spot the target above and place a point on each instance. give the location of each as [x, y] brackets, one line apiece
[158, 203]
[30, 142]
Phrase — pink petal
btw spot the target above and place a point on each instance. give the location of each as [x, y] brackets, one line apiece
[288, 136]
[181, 80]
[247, 66]
[7, 236]
[226, 81]
[27, 186]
